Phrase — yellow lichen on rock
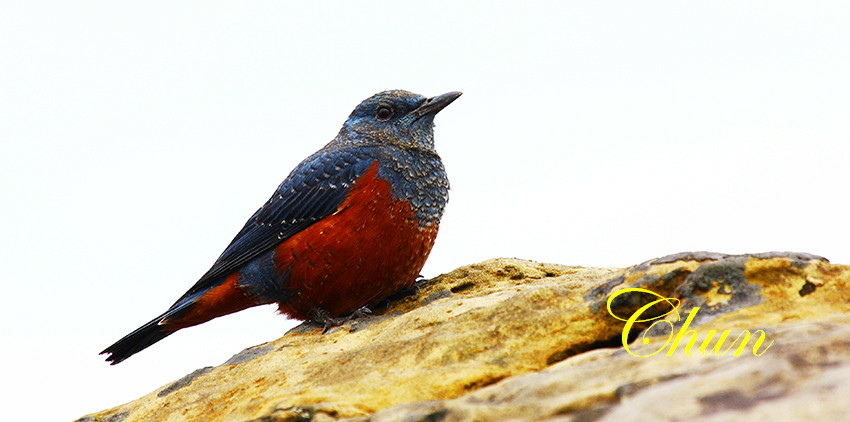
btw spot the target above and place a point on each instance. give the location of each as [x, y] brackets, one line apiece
[515, 339]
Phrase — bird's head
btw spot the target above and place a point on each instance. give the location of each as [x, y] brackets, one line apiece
[395, 117]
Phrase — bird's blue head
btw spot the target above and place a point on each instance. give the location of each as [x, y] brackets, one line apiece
[395, 117]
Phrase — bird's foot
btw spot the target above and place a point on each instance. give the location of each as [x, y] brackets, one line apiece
[328, 321]
[360, 313]
[412, 290]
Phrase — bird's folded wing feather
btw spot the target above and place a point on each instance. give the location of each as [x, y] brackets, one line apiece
[314, 190]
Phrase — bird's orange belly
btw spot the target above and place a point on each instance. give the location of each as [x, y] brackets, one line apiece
[372, 247]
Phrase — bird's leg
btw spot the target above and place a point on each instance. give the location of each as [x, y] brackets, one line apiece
[328, 321]
[413, 290]
[360, 313]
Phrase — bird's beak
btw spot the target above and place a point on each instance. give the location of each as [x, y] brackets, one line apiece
[433, 105]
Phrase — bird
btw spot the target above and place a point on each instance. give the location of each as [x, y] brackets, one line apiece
[350, 225]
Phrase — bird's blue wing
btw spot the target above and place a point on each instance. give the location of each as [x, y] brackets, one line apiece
[314, 190]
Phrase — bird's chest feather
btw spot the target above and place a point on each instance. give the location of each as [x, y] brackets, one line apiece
[371, 247]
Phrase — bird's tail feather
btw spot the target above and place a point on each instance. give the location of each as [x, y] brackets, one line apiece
[192, 309]
[140, 339]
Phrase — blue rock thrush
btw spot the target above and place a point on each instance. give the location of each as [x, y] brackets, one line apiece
[351, 225]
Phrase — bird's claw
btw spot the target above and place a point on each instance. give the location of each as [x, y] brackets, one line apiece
[360, 313]
[328, 321]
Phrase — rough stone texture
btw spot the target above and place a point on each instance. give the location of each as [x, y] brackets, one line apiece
[509, 339]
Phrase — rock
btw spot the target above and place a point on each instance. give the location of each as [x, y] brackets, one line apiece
[519, 340]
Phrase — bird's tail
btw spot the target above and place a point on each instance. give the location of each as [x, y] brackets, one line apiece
[192, 309]
[138, 340]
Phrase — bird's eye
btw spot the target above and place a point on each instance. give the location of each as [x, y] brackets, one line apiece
[384, 113]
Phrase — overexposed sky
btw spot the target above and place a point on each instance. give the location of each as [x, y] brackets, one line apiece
[136, 139]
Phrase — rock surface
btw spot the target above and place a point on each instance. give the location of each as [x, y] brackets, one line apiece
[508, 339]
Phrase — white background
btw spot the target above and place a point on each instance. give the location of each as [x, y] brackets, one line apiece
[137, 139]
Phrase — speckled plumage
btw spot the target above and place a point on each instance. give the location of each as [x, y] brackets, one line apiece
[350, 225]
